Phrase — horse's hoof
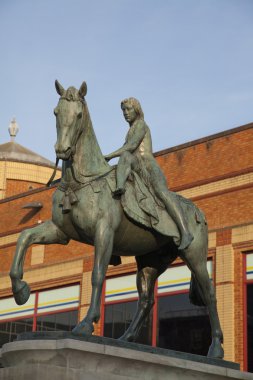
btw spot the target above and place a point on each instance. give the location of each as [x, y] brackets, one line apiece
[83, 329]
[215, 350]
[126, 338]
[21, 292]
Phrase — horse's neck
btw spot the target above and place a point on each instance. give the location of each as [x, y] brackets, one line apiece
[88, 159]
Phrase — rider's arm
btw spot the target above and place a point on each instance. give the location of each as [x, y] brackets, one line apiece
[132, 142]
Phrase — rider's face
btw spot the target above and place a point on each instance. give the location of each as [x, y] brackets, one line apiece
[129, 113]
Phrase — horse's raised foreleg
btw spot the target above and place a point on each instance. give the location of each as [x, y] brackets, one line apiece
[103, 251]
[206, 292]
[46, 233]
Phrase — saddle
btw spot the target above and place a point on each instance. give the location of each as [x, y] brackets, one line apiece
[140, 204]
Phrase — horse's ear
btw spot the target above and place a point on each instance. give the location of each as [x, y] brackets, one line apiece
[60, 90]
[83, 90]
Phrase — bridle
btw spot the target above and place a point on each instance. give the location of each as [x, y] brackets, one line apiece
[73, 143]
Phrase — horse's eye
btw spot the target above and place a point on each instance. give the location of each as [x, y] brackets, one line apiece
[55, 111]
[79, 115]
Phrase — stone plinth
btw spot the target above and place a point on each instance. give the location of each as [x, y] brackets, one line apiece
[68, 358]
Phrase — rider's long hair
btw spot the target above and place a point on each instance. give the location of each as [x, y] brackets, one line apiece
[136, 104]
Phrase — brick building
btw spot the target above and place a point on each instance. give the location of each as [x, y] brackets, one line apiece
[216, 172]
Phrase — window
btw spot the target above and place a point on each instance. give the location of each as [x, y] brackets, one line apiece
[182, 326]
[250, 326]
[174, 323]
[249, 312]
[50, 310]
[57, 322]
[118, 318]
[10, 330]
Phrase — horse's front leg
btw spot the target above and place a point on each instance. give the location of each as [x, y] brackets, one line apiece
[103, 251]
[46, 233]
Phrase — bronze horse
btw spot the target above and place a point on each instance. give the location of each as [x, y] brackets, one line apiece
[93, 216]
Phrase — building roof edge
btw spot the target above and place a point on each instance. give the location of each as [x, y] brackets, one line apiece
[204, 139]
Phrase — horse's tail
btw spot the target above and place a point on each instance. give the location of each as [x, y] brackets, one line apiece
[195, 294]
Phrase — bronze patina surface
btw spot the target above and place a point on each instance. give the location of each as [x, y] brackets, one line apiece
[133, 214]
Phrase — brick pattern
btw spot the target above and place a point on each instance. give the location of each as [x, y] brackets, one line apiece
[29, 175]
[85, 293]
[218, 186]
[37, 256]
[207, 160]
[14, 186]
[242, 234]
[8, 239]
[223, 237]
[221, 165]
[47, 274]
[226, 210]
[239, 307]
[225, 294]
[212, 240]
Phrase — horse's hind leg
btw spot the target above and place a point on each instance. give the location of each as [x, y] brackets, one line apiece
[46, 233]
[206, 293]
[147, 274]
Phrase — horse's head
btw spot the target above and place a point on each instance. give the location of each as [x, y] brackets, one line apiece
[69, 114]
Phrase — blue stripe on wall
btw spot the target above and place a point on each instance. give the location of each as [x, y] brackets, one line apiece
[16, 312]
[56, 305]
[121, 294]
[173, 285]
[135, 291]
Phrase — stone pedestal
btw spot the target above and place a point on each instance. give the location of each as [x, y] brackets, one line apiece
[96, 358]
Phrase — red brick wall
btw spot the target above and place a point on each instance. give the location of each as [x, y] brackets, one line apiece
[14, 187]
[228, 209]
[14, 219]
[212, 158]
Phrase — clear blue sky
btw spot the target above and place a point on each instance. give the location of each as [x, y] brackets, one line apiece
[189, 62]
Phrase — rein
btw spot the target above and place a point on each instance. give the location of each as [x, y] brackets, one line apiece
[76, 137]
[54, 173]
[79, 180]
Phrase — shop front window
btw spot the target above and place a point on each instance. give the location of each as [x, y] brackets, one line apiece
[47, 310]
[118, 318]
[10, 330]
[173, 323]
[250, 326]
[57, 322]
[182, 326]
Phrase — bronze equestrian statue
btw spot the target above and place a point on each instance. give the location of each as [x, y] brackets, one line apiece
[130, 219]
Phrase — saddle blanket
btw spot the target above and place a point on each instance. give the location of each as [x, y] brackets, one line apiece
[142, 206]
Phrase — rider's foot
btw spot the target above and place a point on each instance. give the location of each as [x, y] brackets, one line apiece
[119, 191]
[186, 240]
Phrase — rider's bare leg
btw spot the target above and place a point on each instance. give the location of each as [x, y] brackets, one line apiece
[126, 163]
[172, 205]
[175, 210]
